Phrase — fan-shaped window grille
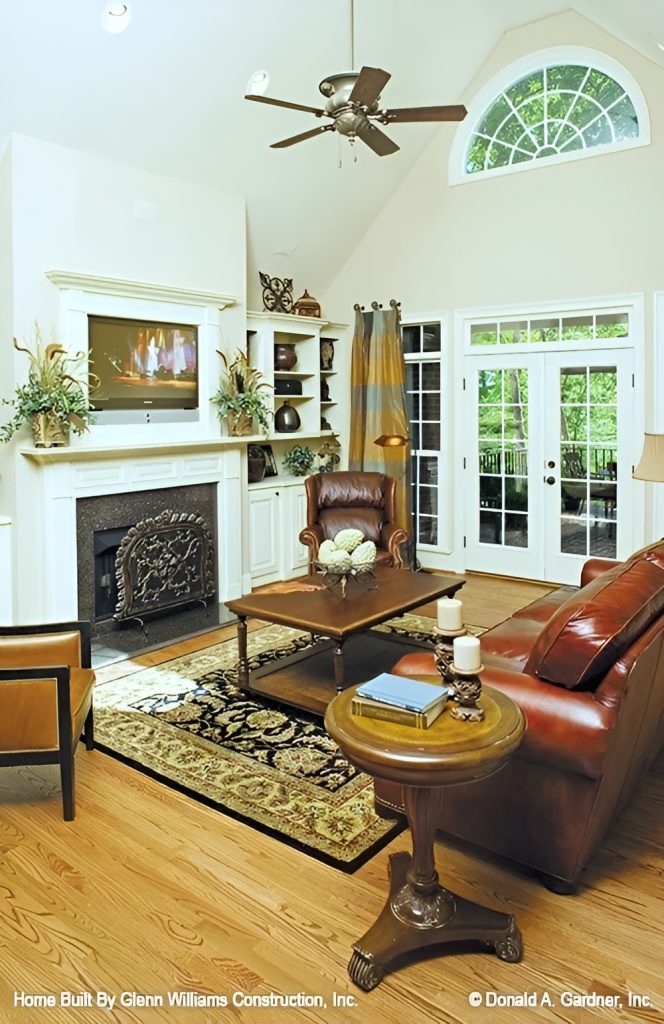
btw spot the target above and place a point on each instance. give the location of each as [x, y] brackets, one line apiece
[555, 111]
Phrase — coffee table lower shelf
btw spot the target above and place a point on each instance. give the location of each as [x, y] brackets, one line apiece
[307, 680]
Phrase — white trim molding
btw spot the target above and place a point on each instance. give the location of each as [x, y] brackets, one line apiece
[523, 67]
[67, 280]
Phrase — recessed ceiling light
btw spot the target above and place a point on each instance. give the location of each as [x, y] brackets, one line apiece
[115, 17]
[258, 83]
[661, 46]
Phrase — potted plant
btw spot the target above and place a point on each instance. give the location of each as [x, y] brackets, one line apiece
[239, 397]
[54, 401]
[298, 460]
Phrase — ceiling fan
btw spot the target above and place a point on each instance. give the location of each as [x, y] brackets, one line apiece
[353, 103]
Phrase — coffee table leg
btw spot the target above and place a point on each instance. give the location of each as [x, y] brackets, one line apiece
[243, 666]
[339, 666]
[419, 912]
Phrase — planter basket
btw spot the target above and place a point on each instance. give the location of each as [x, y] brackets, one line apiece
[48, 431]
[239, 424]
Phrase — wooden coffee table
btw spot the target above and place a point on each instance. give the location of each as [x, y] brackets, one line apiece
[325, 613]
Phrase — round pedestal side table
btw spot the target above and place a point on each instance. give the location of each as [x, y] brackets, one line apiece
[419, 912]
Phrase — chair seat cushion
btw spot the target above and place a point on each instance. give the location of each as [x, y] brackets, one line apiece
[594, 627]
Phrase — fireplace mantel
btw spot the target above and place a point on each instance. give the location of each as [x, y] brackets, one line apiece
[67, 280]
[59, 456]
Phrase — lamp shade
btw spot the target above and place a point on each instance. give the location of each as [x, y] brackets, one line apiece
[391, 440]
[651, 463]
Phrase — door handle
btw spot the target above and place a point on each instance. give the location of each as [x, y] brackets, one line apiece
[549, 480]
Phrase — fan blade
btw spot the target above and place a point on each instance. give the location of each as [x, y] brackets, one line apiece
[368, 86]
[377, 140]
[284, 103]
[300, 138]
[450, 113]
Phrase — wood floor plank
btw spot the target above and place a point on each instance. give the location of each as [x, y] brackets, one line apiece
[148, 891]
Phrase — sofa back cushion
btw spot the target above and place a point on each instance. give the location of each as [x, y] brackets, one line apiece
[594, 628]
[351, 490]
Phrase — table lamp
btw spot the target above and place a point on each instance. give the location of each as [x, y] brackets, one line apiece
[398, 441]
[651, 463]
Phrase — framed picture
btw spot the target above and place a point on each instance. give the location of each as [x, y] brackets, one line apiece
[270, 464]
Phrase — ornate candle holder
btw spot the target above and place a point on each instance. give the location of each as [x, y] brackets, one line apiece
[444, 650]
[467, 690]
[466, 686]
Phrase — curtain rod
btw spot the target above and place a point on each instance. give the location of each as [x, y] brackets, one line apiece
[377, 305]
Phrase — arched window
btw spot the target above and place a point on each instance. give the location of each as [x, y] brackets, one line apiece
[554, 106]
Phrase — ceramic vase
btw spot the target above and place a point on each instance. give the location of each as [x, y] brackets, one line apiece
[286, 419]
[285, 357]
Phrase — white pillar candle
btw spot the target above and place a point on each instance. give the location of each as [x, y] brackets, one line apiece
[467, 654]
[449, 613]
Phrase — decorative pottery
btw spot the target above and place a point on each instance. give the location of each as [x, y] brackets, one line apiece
[307, 305]
[324, 391]
[239, 424]
[48, 431]
[285, 357]
[255, 463]
[326, 354]
[286, 419]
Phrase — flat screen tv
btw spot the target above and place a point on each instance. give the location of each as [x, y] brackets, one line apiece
[138, 364]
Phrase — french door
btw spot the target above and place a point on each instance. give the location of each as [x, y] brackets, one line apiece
[548, 467]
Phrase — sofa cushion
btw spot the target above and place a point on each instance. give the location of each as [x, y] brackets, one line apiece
[595, 626]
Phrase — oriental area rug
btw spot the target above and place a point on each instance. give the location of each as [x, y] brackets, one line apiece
[186, 723]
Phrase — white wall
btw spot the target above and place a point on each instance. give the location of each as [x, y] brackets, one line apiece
[591, 227]
[78, 212]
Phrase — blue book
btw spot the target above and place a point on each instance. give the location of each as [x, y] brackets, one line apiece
[400, 692]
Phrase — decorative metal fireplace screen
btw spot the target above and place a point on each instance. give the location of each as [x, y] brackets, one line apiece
[163, 563]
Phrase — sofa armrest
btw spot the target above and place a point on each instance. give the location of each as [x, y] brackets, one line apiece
[313, 537]
[566, 729]
[594, 567]
[392, 537]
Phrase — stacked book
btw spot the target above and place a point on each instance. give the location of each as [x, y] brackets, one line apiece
[401, 700]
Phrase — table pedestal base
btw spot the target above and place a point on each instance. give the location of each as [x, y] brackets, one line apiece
[411, 921]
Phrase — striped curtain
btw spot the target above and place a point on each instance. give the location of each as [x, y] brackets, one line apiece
[378, 403]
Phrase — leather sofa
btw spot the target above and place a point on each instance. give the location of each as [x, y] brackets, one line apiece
[586, 666]
[353, 500]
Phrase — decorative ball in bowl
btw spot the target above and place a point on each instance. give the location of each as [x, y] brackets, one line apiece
[348, 555]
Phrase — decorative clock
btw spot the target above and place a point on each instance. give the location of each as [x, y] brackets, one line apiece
[277, 293]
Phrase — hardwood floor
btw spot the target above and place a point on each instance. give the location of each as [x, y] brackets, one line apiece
[149, 892]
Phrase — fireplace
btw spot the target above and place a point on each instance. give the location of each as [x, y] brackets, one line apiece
[145, 556]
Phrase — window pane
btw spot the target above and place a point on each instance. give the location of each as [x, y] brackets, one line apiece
[624, 119]
[484, 334]
[490, 421]
[476, 154]
[491, 527]
[514, 332]
[412, 376]
[516, 530]
[603, 540]
[411, 338]
[490, 457]
[526, 87]
[515, 422]
[431, 376]
[431, 437]
[573, 423]
[574, 385]
[431, 406]
[612, 325]
[491, 492]
[431, 338]
[573, 537]
[515, 458]
[603, 424]
[428, 530]
[428, 499]
[574, 462]
[516, 493]
[574, 327]
[428, 469]
[490, 386]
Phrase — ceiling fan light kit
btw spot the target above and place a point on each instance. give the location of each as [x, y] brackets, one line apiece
[353, 103]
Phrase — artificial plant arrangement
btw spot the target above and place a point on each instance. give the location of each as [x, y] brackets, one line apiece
[298, 460]
[239, 397]
[54, 401]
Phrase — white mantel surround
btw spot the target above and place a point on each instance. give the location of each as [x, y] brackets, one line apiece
[123, 457]
[49, 482]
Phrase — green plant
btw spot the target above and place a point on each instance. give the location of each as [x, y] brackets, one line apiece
[240, 392]
[51, 388]
[298, 460]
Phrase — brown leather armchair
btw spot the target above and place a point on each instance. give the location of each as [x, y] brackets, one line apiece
[361, 501]
[587, 668]
[46, 698]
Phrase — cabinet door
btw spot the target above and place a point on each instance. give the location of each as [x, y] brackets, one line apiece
[264, 541]
[295, 519]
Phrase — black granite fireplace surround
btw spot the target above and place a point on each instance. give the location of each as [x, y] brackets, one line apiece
[101, 524]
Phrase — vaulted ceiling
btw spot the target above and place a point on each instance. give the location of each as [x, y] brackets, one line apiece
[167, 95]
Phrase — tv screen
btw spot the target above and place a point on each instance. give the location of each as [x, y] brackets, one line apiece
[138, 364]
